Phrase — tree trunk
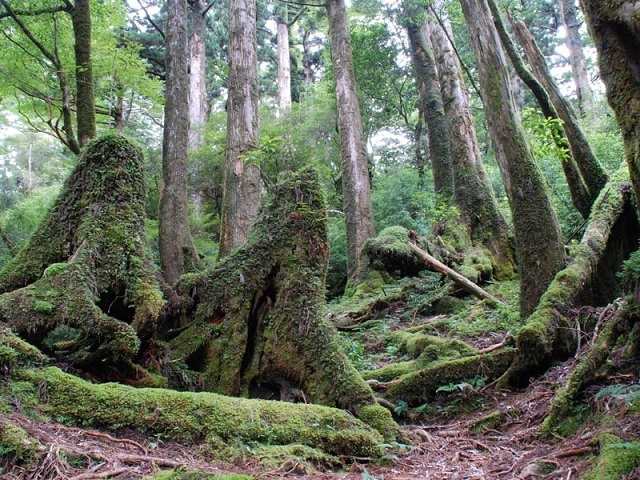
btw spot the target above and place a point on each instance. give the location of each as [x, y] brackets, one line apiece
[177, 253]
[197, 73]
[87, 266]
[355, 172]
[616, 33]
[431, 107]
[242, 182]
[589, 279]
[474, 194]
[85, 102]
[259, 326]
[581, 198]
[577, 59]
[592, 172]
[284, 62]
[537, 234]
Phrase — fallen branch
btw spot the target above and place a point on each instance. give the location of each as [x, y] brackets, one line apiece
[508, 340]
[464, 282]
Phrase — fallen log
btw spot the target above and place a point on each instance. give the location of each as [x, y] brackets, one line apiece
[461, 280]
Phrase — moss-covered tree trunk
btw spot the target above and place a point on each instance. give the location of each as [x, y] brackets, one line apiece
[431, 105]
[539, 247]
[259, 326]
[581, 198]
[590, 168]
[474, 194]
[85, 101]
[86, 269]
[611, 235]
[615, 28]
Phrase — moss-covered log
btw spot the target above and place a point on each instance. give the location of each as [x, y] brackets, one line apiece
[87, 267]
[259, 328]
[611, 235]
[421, 386]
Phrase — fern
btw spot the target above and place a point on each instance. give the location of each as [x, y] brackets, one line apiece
[621, 392]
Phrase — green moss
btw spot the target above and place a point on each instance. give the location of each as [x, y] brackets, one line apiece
[430, 348]
[448, 305]
[42, 306]
[193, 417]
[16, 443]
[55, 269]
[181, 474]
[616, 459]
[380, 419]
[389, 372]
[489, 421]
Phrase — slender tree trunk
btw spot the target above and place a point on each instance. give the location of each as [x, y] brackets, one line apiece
[616, 33]
[176, 246]
[284, 63]
[355, 173]
[592, 172]
[539, 247]
[580, 195]
[242, 183]
[577, 59]
[198, 73]
[474, 195]
[431, 107]
[85, 102]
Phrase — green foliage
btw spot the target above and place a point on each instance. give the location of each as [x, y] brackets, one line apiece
[630, 272]
[628, 395]
[472, 384]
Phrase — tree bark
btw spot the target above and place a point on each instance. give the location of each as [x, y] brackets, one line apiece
[537, 234]
[592, 172]
[177, 253]
[197, 73]
[581, 198]
[284, 62]
[242, 182]
[616, 33]
[474, 195]
[431, 107]
[355, 172]
[577, 59]
[85, 101]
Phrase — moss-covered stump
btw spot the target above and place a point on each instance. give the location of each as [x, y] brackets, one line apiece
[389, 252]
[421, 386]
[259, 326]
[190, 417]
[612, 234]
[87, 267]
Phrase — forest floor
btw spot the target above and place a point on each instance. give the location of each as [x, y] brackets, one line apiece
[469, 431]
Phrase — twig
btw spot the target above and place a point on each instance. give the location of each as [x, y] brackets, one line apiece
[105, 474]
[117, 440]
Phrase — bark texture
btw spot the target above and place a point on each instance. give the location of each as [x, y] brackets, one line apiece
[177, 254]
[85, 101]
[355, 173]
[615, 28]
[592, 172]
[284, 63]
[474, 195]
[242, 182]
[431, 106]
[539, 246]
[197, 73]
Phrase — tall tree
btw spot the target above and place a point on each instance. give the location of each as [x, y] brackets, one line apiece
[615, 29]
[577, 58]
[284, 60]
[431, 107]
[355, 174]
[177, 253]
[197, 71]
[539, 247]
[590, 168]
[242, 182]
[474, 194]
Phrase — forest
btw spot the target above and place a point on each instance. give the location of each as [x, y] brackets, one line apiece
[361, 240]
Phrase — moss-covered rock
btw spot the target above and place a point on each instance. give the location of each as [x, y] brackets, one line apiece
[616, 458]
[389, 252]
[16, 444]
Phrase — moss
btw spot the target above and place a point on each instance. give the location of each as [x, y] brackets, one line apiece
[380, 419]
[389, 372]
[616, 458]
[389, 252]
[429, 348]
[420, 386]
[181, 474]
[193, 417]
[16, 443]
[491, 420]
[448, 305]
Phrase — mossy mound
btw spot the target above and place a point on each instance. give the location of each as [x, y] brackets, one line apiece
[87, 266]
[616, 459]
[389, 252]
